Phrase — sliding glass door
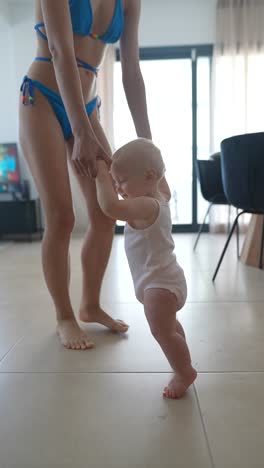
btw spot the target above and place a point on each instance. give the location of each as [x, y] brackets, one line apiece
[177, 86]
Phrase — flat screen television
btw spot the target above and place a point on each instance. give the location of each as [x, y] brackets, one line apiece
[10, 181]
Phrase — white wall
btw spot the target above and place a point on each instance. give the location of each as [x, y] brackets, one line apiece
[163, 22]
[21, 21]
[177, 22]
[7, 77]
[17, 47]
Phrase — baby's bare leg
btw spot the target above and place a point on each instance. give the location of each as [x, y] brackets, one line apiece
[179, 328]
[160, 309]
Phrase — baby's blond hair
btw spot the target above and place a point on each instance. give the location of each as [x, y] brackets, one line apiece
[139, 155]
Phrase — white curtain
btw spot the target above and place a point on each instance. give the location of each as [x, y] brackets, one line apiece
[238, 71]
[105, 85]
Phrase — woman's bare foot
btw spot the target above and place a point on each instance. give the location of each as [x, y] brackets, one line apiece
[179, 384]
[72, 336]
[96, 314]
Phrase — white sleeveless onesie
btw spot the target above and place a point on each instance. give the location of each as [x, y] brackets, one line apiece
[151, 259]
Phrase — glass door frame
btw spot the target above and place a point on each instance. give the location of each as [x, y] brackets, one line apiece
[182, 52]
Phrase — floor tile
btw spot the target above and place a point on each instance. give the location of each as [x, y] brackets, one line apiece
[118, 421]
[12, 329]
[74, 409]
[136, 351]
[232, 409]
[225, 337]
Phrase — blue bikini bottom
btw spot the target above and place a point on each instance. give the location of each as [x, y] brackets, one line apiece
[28, 90]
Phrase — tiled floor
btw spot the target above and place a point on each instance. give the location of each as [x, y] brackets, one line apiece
[104, 408]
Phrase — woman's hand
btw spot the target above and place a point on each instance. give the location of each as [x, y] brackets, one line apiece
[86, 151]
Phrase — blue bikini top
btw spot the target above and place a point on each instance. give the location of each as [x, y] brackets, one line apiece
[82, 22]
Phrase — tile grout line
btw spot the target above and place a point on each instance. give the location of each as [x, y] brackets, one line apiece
[204, 428]
[10, 349]
[230, 301]
[72, 372]
[117, 372]
[4, 248]
[198, 302]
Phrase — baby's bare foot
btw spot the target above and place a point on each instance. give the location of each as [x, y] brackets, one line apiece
[71, 335]
[179, 384]
[96, 314]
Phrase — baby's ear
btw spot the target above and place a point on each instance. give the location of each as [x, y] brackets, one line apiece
[151, 174]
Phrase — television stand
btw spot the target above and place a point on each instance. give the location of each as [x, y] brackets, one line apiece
[20, 219]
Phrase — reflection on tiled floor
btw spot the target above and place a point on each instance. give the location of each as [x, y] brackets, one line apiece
[104, 407]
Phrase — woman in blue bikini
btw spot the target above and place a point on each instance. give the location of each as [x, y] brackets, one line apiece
[58, 117]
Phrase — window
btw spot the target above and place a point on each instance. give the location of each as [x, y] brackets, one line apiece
[178, 94]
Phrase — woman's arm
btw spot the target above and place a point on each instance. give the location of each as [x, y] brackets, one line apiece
[57, 19]
[133, 81]
[126, 210]
[132, 78]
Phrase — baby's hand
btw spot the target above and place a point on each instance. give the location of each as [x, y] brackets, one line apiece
[103, 156]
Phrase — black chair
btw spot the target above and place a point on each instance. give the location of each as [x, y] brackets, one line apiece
[242, 162]
[210, 178]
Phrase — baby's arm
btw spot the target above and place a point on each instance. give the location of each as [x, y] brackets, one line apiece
[165, 189]
[125, 210]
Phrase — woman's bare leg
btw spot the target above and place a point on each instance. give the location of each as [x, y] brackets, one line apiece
[160, 309]
[97, 245]
[44, 149]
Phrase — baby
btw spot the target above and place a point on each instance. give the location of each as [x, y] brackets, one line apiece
[138, 173]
